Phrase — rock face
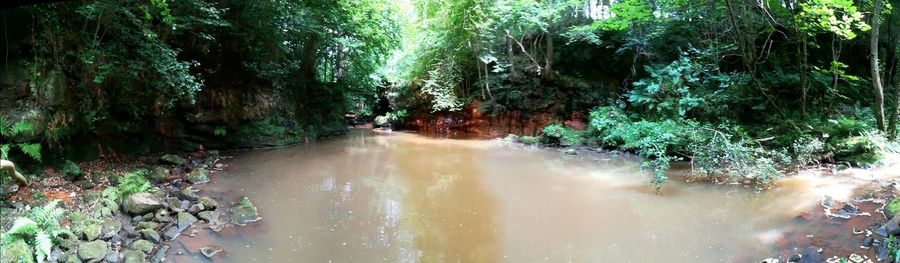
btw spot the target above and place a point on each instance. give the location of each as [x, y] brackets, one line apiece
[199, 176]
[172, 159]
[93, 251]
[244, 212]
[141, 203]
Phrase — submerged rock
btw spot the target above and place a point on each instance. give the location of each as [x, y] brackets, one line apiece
[93, 251]
[244, 212]
[172, 159]
[199, 176]
[141, 203]
[171, 233]
[210, 251]
[160, 255]
[570, 151]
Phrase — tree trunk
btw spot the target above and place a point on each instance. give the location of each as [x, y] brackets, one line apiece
[876, 71]
[548, 57]
[804, 87]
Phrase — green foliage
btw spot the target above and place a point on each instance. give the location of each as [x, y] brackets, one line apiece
[7, 143]
[556, 134]
[41, 229]
[683, 86]
[840, 17]
[133, 182]
[390, 118]
[220, 131]
[893, 207]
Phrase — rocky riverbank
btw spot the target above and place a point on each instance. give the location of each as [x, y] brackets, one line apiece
[140, 227]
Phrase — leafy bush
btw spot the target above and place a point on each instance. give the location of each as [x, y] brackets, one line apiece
[556, 134]
[40, 229]
[808, 150]
[390, 118]
[714, 152]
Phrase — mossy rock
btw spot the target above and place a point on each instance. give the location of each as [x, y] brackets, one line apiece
[142, 245]
[94, 250]
[135, 256]
[199, 176]
[92, 232]
[244, 212]
[17, 251]
[158, 174]
[172, 159]
[528, 140]
[70, 171]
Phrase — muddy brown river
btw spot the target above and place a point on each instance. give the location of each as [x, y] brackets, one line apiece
[402, 197]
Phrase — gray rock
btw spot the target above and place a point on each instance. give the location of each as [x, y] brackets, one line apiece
[172, 159]
[244, 212]
[199, 176]
[570, 151]
[185, 220]
[142, 245]
[112, 257]
[110, 228]
[160, 255]
[188, 194]
[162, 216]
[141, 203]
[151, 235]
[207, 215]
[93, 251]
[135, 256]
[91, 232]
[171, 233]
[210, 251]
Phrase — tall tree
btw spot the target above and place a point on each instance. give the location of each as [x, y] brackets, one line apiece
[876, 66]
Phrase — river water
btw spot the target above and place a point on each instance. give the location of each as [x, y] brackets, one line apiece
[402, 197]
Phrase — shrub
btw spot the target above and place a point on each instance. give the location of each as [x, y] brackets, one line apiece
[556, 134]
[390, 118]
[808, 150]
[716, 153]
[133, 182]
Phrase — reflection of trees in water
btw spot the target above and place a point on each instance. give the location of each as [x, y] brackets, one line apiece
[446, 207]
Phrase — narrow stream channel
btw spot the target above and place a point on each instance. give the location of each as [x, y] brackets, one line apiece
[400, 197]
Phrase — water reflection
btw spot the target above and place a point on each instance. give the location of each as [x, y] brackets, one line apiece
[406, 198]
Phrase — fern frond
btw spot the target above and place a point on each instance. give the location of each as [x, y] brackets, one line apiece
[20, 127]
[33, 150]
[21, 228]
[4, 151]
[43, 245]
